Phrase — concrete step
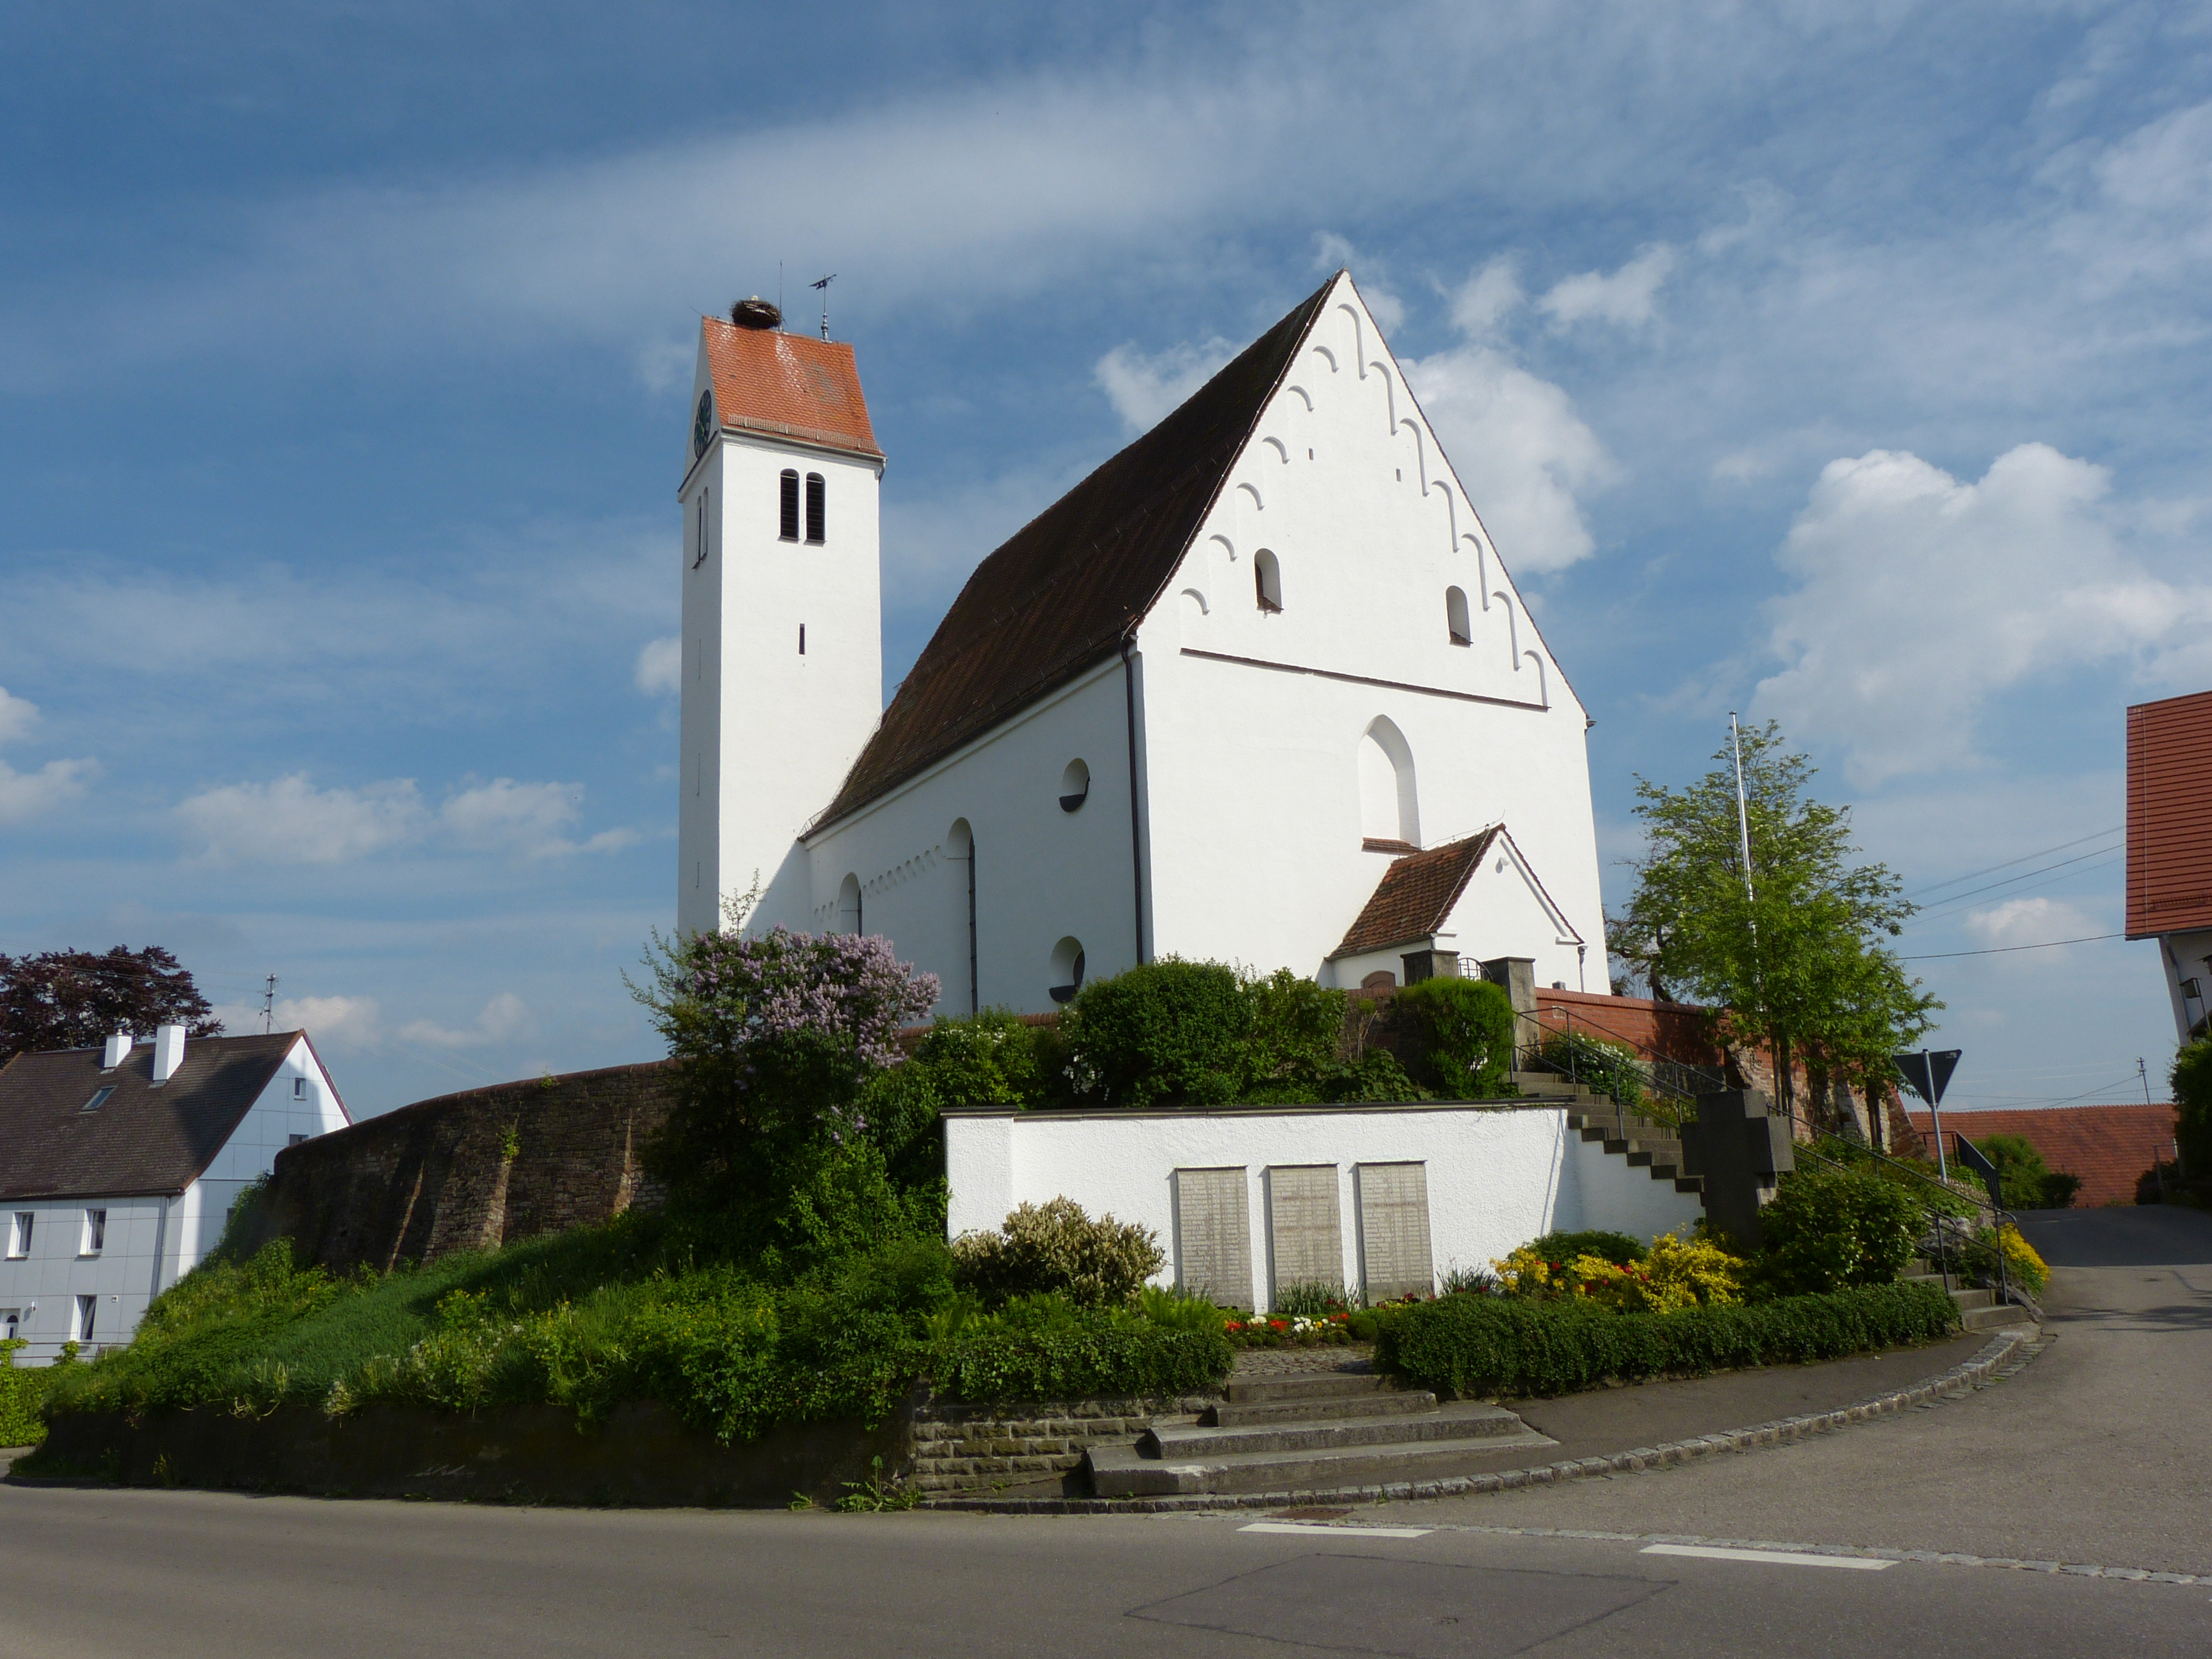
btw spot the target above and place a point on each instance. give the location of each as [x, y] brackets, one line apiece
[1124, 1471]
[1462, 1420]
[1306, 1385]
[1385, 1403]
[1983, 1319]
[1969, 1301]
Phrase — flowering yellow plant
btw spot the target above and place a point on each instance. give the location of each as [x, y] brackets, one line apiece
[1676, 1274]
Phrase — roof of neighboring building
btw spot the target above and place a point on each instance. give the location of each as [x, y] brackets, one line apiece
[2169, 834]
[145, 1138]
[766, 380]
[1416, 894]
[2111, 1148]
[1068, 587]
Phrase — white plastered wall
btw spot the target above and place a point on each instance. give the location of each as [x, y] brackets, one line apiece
[151, 1240]
[1042, 873]
[1495, 1178]
[769, 733]
[2186, 956]
[1253, 720]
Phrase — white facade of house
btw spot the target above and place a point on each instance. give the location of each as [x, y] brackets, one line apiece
[1252, 767]
[71, 1270]
[1494, 1179]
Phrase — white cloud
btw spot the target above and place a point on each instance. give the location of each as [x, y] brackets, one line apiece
[1919, 598]
[344, 1022]
[1144, 388]
[1626, 298]
[528, 820]
[2030, 921]
[1514, 439]
[26, 795]
[17, 716]
[660, 667]
[1333, 252]
[505, 1019]
[292, 821]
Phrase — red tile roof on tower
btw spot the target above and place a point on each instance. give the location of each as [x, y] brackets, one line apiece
[1067, 588]
[2170, 816]
[2111, 1148]
[1416, 894]
[792, 385]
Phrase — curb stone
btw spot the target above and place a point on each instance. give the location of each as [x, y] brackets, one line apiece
[2004, 1355]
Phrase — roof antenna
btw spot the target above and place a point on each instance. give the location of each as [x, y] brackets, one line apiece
[823, 285]
[269, 1006]
[779, 291]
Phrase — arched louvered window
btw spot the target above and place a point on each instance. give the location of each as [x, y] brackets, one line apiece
[816, 509]
[1455, 617]
[1268, 577]
[787, 526]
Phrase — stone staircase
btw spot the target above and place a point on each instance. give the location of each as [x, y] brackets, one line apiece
[1319, 1430]
[1980, 1310]
[1645, 1142]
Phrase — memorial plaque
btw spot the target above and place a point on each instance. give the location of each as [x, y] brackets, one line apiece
[1304, 1235]
[1213, 1236]
[1394, 1230]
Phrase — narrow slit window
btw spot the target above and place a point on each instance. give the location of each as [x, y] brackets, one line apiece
[1455, 617]
[817, 508]
[802, 639]
[1267, 578]
[788, 526]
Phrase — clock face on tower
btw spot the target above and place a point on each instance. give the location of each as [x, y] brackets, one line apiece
[703, 425]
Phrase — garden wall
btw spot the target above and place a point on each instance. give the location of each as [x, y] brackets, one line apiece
[469, 1171]
[963, 1448]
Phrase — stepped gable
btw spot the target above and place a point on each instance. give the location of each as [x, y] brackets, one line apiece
[147, 1137]
[1416, 894]
[1067, 588]
[792, 385]
[2169, 774]
[2111, 1148]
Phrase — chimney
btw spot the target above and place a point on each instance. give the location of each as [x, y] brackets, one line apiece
[117, 1051]
[168, 1052]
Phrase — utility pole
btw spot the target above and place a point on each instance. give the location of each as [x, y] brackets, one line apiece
[269, 1006]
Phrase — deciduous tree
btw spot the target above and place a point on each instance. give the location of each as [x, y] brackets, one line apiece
[77, 999]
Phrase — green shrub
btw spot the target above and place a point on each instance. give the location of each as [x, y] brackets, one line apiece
[988, 1059]
[1617, 1248]
[1169, 1033]
[1104, 1355]
[2192, 1081]
[2027, 1182]
[1466, 1035]
[1831, 1230]
[1482, 1346]
[1612, 1068]
[1056, 1248]
[22, 1389]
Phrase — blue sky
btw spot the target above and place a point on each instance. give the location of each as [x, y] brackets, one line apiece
[1847, 365]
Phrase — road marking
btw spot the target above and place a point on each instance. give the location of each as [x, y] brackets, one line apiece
[1360, 1532]
[1780, 1557]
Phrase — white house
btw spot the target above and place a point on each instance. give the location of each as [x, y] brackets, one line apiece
[117, 1167]
[1203, 704]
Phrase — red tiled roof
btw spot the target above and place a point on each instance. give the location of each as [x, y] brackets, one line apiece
[1416, 894]
[1069, 586]
[766, 380]
[2170, 816]
[2111, 1148]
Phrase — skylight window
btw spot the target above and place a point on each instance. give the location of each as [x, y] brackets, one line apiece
[99, 1097]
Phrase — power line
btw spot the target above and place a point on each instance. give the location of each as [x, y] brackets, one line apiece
[2000, 949]
[2025, 875]
[2022, 859]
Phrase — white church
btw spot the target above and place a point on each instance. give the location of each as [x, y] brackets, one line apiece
[1260, 689]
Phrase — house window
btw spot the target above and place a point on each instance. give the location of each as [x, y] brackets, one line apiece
[87, 1309]
[788, 524]
[297, 1140]
[299, 1088]
[11, 1324]
[1268, 577]
[19, 1234]
[1455, 617]
[1074, 785]
[1067, 969]
[816, 509]
[99, 1098]
[95, 1233]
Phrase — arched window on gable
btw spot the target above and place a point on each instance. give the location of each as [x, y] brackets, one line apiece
[816, 509]
[1268, 577]
[1455, 617]
[849, 918]
[1389, 806]
[787, 514]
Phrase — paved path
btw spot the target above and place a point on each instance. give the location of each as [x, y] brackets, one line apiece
[2099, 1452]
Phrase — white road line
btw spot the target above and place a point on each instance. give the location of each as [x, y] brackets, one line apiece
[1355, 1532]
[1780, 1557]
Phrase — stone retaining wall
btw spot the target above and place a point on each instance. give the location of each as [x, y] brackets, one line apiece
[963, 1448]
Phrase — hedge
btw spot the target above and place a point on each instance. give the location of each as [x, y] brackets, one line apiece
[1102, 1359]
[22, 1388]
[1479, 1346]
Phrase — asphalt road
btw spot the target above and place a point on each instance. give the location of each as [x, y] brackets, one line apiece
[2095, 1453]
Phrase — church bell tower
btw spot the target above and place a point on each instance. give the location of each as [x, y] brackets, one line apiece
[783, 609]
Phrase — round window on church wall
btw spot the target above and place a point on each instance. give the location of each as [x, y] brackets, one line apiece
[1074, 785]
[1067, 976]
